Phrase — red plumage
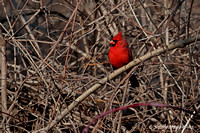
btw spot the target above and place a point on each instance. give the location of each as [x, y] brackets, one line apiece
[120, 55]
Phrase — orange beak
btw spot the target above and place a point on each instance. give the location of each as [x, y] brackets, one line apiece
[112, 42]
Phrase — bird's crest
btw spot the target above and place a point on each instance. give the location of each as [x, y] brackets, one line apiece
[118, 36]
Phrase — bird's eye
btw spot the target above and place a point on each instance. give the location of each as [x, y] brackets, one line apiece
[115, 41]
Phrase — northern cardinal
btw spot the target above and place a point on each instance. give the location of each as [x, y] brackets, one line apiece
[120, 55]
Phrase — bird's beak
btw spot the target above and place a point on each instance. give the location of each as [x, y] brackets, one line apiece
[112, 42]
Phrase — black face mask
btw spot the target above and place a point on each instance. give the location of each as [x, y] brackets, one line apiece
[115, 42]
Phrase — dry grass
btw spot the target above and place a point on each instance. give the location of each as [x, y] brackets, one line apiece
[57, 50]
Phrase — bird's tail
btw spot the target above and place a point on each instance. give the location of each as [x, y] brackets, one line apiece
[134, 81]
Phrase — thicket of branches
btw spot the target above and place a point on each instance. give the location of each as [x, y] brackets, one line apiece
[56, 50]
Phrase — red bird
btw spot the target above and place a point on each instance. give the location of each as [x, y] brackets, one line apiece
[120, 55]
